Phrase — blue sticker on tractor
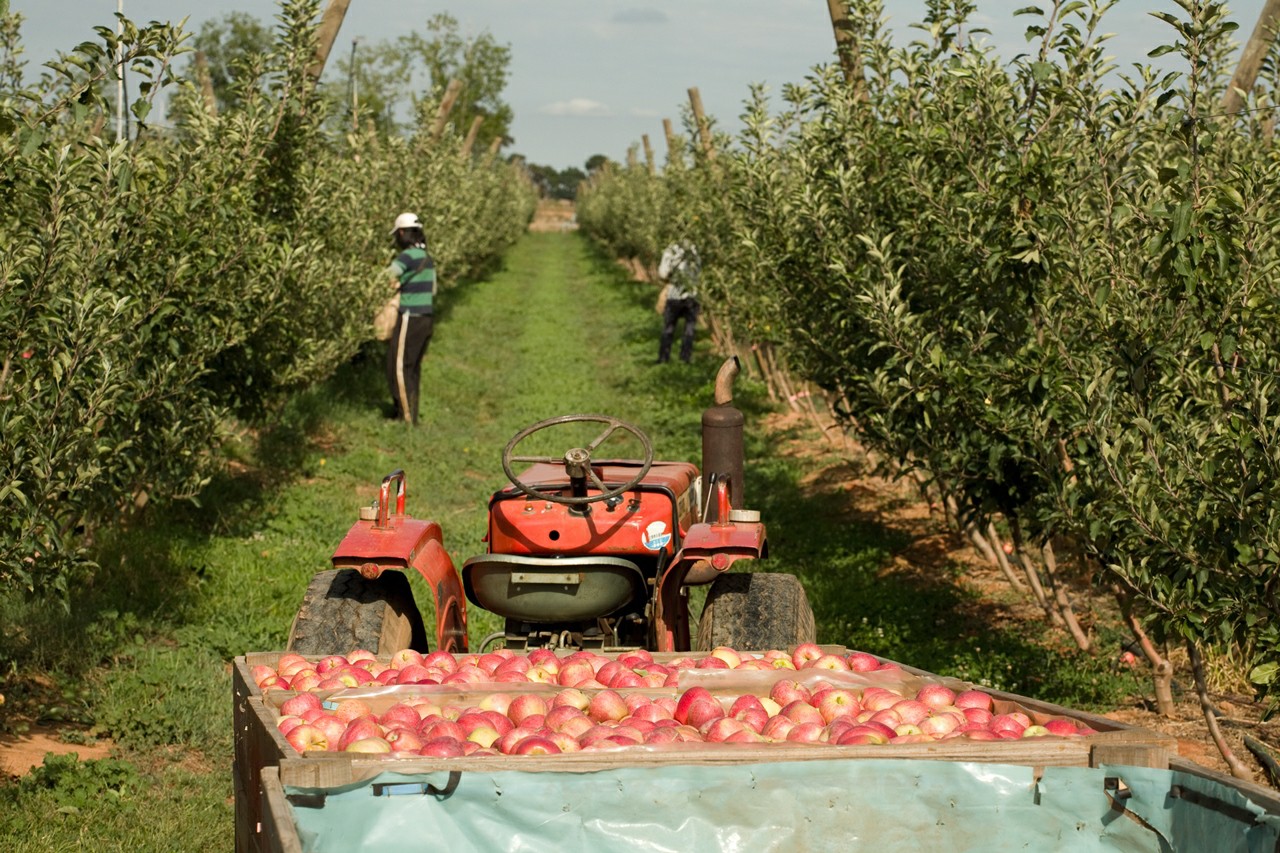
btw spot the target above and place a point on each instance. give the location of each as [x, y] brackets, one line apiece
[655, 536]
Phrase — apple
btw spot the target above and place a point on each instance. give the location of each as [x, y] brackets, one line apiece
[771, 707]
[359, 656]
[349, 709]
[352, 676]
[300, 704]
[571, 697]
[526, 705]
[804, 653]
[973, 699]
[879, 698]
[405, 657]
[887, 666]
[607, 705]
[540, 675]
[907, 729]
[836, 663]
[836, 702]
[520, 665]
[806, 732]
[754, 666]
[1035, 731]
[802, 712]
[501, 722]
[441, 660]
[332, 727]
[730, 657]
[981, 734]
[307, 738]
[887, 717]
[661, 735]
[860, 735]
[753, 718]
[703, 711]
[405, 740]
[442, 747]
[443, 728]
[288, 723]
[490, 662]
[359, 729]
[652, 712]
[911, 738]
[719, 729]
[776, 728]
[575, 672]
[559, 714]
[746, 700]
[307, 679]
[981, 716]
[1061, 728]
[911, 711]
[369, 744]
[687, 698]
[862, 662]
[1006, 722]
[939, 724]
[936, 695]
[416, 673]
[262, 672]
[786, 691]
[275, 682]
[400, 714]
[329, 663]
[608, 673]
[710, 662]
[485, 735]
[499, 702]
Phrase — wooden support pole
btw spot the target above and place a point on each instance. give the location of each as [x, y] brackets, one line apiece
[494, 147]
[206, 84]
[631, 157]
[847, 47]
[450, 98]
[704, 127]
[1255, 51]
[648, 153]
[470, 141]
[327, 34]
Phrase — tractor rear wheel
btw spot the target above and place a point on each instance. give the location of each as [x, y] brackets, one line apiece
[342, 611]
[756, 611]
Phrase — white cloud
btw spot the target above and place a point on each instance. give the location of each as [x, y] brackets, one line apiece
[643, 112]
[577, 107]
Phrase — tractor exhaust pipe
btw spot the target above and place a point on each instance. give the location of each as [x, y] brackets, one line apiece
[722, 442]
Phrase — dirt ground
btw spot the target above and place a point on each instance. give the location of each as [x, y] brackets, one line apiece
[554, 215]
[19, 753]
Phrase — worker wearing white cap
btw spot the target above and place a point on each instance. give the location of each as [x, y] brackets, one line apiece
[414, 274]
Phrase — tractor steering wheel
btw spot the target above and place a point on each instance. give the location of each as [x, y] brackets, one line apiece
[577, 460]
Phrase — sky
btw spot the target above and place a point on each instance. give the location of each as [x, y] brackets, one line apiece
[594, 76]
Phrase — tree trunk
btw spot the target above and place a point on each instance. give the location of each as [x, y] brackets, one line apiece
[1161, 669]
[1238, 769]
[1062, 600]
[700, 120]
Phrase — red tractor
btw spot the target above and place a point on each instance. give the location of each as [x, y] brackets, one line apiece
[583, 552]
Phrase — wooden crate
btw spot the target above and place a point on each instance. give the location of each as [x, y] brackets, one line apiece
[264, 759]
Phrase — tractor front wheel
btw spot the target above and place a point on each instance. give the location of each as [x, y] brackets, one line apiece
[342, 611]
[756, 611]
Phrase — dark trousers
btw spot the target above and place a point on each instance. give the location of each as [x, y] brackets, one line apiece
[677, 308]
[408, 345]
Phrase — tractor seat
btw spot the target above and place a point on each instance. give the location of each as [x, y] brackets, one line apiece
[551, 589]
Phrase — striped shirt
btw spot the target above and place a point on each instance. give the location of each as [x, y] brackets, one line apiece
[416, 272]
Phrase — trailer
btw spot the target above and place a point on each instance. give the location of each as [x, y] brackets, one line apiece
[1120, 788]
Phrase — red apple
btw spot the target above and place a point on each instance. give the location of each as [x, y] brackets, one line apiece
[806, 733]
[359, 729]
[442, 747]
[441, 660]
[406, 657]
[307, 738]
[836, 702]
[370, 745]
[499, 702]
[719, 729]
[835, 663]
[730, 656]
[300, 704]
[607, 705]
[330, 663]
[526, 705]
[687, 698]
[939, 724]
[574, 672]
[973, 699]
[862, 662]
[1061, 728]
[802, 712]
[936, 695]
[405, 740]
[911, 711]
[786, 691]
[703, 711]
[261, 672]
[806, 652]
[349, 709]
[307, 679]
[400, 714]
[288, 723]
[776, 728]
[860, 735]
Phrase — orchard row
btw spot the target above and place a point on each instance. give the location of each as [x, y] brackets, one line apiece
[1046, 291]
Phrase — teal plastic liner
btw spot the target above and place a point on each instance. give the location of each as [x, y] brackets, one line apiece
[787, 806]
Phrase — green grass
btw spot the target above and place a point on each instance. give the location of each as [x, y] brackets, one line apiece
[142, 653]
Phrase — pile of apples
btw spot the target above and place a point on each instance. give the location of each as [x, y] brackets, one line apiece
[591, 715]
[583, 669]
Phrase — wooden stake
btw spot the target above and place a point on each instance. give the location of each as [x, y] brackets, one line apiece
[847, 47]
[1252, 57]
[648, 153]
[494, 147]
[471, 136]
[704, 128]
[206, 84]
[631, 157]
[327, 34]
[451, 93]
